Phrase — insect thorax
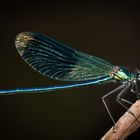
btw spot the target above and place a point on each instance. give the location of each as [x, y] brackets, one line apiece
[121, 74]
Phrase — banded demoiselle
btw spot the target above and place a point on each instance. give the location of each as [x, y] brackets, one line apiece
[58, 61]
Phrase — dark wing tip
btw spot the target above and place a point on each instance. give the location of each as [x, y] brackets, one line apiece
[21, 41]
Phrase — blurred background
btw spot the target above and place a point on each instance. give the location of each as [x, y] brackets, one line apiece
[105, 29]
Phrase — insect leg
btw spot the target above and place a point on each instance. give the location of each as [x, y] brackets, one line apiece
[134, 89]
[124, 100]
[105, 104]
[120, 99]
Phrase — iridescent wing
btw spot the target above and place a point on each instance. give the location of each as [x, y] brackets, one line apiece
[58, 61]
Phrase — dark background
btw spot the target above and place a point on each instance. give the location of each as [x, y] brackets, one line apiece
[107, 30]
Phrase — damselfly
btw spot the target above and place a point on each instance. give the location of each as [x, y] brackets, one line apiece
[58, 61]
